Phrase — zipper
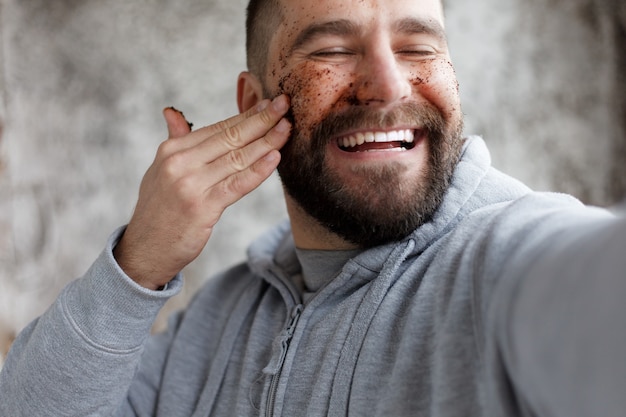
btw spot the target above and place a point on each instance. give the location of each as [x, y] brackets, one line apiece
[286, 340]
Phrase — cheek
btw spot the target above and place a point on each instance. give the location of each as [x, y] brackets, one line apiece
[436, 82]
[314, 93]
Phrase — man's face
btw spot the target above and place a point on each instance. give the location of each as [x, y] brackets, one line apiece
[376, 113]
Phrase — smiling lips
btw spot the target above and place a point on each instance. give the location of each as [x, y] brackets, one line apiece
[395, 140]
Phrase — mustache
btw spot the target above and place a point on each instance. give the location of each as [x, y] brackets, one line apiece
[423, 116]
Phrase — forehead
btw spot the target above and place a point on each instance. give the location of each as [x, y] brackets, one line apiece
[298, 14]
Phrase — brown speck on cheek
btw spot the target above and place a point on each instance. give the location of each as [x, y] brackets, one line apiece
[417, 81]
[457, 86]
[282, 59]
[314, 92]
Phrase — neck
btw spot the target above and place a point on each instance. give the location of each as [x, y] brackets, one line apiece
[308, 233]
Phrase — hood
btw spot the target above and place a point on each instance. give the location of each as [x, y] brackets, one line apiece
[475, 184]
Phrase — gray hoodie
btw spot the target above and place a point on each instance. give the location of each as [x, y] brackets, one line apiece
[494, 308]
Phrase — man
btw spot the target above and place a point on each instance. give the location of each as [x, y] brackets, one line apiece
[411, 279]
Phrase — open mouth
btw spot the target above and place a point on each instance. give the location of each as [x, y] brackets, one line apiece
[395, 140]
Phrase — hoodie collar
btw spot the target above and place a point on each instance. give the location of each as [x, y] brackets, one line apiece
[468, 191]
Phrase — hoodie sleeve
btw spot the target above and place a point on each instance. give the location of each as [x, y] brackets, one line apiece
[559, 318]
[80, 357]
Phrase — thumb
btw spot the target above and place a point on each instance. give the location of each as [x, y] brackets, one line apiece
[177, 125]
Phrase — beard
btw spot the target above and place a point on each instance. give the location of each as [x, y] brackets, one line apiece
[390, 207]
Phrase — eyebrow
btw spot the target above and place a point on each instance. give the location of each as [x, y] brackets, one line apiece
[421, 26]
[345, 27]
[340, 27]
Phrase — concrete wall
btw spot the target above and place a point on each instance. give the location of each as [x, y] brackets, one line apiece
[83, 84]
[543, 80]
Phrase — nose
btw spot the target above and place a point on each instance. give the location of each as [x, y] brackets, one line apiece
[382, 80]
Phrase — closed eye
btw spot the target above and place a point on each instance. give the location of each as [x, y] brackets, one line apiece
[418, 52]
[332, 54]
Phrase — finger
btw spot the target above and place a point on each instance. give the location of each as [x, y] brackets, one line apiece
[177, 125]
[198, 150]
[246, 131]
[236, 186]
[270, 111]
[264, 105]
[242, 159]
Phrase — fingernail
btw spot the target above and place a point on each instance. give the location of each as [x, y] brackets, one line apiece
[282, 126]
[262, 105]
[271, 157]
[280, 103]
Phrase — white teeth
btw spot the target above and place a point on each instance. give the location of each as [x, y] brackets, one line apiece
[360, 138]
[380, 137]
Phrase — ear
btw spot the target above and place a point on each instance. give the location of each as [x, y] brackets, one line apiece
[249, 91]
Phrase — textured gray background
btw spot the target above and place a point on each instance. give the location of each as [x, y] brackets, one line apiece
[83, 83]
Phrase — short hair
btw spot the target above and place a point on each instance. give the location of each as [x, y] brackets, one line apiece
[262, 20]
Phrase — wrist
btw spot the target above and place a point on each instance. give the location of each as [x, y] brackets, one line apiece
[145, 277]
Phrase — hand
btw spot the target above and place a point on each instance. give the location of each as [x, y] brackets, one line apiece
[194, 177]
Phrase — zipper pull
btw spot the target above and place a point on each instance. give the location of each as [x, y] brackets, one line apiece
[281, 343]
[295, 316]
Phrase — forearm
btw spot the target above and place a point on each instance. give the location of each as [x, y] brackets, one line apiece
[565, 338]
[80, 357]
